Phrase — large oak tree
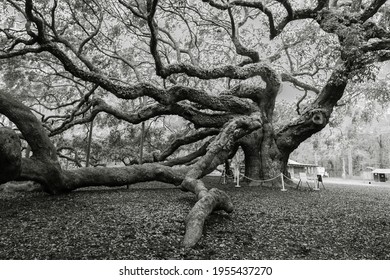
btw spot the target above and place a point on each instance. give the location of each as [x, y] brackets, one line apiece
[203, 61]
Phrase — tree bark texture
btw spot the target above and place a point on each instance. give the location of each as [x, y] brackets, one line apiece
[10, 155]
[214, 199]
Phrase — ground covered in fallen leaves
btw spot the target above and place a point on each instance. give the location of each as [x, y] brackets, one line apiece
[146, 222]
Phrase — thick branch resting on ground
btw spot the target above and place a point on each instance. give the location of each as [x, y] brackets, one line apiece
[45, 168]
[214, 199]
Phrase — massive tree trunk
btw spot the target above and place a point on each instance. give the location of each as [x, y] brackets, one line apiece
[263, 160]
[250, 145]
[267, 152]
[243, 111]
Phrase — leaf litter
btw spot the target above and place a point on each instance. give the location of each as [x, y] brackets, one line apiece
[146, 221]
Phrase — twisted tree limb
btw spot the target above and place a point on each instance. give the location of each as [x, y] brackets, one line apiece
[188, 158]
[185, 140]
[214, 199]
[43, 167]
[197, 117]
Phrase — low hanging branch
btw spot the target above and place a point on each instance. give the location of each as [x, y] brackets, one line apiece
[40, 169]
[214, 199]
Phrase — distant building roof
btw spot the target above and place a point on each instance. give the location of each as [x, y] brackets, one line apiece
[295, 163]
[380, 170]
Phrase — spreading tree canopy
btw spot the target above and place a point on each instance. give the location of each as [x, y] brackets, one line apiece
[218, 65]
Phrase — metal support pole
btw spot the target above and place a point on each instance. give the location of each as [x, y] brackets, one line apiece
[237, 171]
[89, 144]
[283, 188]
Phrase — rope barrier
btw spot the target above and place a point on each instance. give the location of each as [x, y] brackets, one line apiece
[237, 175]
[288, 178]
[225, 176]
[260, 181]
[281, 175]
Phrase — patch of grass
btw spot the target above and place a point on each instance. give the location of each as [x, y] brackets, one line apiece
[146, 222]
